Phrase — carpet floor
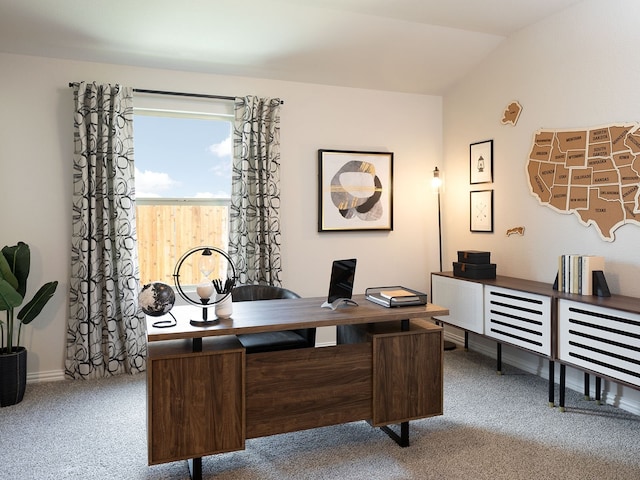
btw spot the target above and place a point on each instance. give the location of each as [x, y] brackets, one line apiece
[493, 427]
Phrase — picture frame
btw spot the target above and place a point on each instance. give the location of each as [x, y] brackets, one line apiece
[355, 190]
[481, 211]
[481, 162]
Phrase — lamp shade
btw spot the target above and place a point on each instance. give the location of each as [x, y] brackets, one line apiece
[436, 181]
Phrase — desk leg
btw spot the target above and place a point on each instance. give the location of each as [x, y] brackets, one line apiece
[598, 389]
[195, 468]
[499, 358]
[403, 438]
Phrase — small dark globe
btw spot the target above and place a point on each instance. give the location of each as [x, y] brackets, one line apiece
[156, 299]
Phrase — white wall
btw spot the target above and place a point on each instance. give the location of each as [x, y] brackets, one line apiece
[573, 70]
[36, 142]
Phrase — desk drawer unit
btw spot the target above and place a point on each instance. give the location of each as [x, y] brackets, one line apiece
[603, 340]
[518, 318]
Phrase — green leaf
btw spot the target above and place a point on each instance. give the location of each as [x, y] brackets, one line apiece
[32, 309]
[19, 258]
[7, 273]
[9, 297]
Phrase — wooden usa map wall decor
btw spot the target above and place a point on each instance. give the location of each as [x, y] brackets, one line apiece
[592, 173]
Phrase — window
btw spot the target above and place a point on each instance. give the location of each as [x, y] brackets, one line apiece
[183, 182]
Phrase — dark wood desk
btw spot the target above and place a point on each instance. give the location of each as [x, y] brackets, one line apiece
[207, 396]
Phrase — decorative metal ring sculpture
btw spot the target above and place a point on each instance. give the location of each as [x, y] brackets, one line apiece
[221, 287]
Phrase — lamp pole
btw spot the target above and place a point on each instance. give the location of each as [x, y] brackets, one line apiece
[439, 220]
[437, 183]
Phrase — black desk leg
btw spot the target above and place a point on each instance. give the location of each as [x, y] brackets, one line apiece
[563, 374]
[466, 341]
[403, 438]
[552, 385]
[195, 464]
[195, 468]
[499, 358]
[598, 388]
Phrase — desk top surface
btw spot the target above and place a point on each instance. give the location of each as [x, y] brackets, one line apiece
[288, 314]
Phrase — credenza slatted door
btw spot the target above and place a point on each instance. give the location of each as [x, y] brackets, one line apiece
[600, 339]
[518, 318]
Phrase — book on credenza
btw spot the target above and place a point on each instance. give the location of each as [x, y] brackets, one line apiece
[575, 272]
[590, 263]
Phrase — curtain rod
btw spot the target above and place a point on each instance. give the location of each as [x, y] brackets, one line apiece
[181, 94]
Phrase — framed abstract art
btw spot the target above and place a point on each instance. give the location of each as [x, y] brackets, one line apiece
[355, 190]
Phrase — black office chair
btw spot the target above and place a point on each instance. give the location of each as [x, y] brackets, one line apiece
[271, 341]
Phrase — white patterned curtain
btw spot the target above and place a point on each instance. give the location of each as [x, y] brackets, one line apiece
[254, 233]
[106, 329]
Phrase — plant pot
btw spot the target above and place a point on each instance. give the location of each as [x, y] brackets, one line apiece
[13, 376]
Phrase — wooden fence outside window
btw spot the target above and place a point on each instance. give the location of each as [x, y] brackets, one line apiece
[168, 230]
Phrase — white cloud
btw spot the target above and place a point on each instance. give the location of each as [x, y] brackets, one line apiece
[219, 194]
[152, 184]
[222, 149]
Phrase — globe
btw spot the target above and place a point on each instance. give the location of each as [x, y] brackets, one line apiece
[156, 299]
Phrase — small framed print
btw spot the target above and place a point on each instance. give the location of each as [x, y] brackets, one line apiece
[481, 162]
[481, 211]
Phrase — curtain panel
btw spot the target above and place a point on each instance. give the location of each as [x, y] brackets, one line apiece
[106, 333]
[254, 233]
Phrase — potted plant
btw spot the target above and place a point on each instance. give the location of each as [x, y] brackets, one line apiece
[15, 263]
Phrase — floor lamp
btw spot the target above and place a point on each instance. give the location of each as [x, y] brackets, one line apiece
[436, 184]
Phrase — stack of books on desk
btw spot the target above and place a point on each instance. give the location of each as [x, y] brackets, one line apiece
[395, 296]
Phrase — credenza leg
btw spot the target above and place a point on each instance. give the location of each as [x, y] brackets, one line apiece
[587, 387]
[563, 376]
[195, 468]
[552, 385]
[403, 438]
[499, 358]
[598, 389]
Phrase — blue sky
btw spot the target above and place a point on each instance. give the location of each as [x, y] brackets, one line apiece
[182, 157]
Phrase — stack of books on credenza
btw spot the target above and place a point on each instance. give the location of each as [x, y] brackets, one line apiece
[474, 264]
[581, 274]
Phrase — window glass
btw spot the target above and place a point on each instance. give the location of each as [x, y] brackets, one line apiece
[183, 187]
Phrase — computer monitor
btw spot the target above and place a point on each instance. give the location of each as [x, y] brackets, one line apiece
[343, 273]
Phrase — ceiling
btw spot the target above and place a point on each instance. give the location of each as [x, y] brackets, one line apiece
[414, 46]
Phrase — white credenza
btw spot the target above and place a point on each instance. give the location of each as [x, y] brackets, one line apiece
[598, 335]
[509, 310]
[605, 341]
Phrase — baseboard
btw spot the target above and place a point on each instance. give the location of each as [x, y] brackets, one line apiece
[612, 393]
[50, 376]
